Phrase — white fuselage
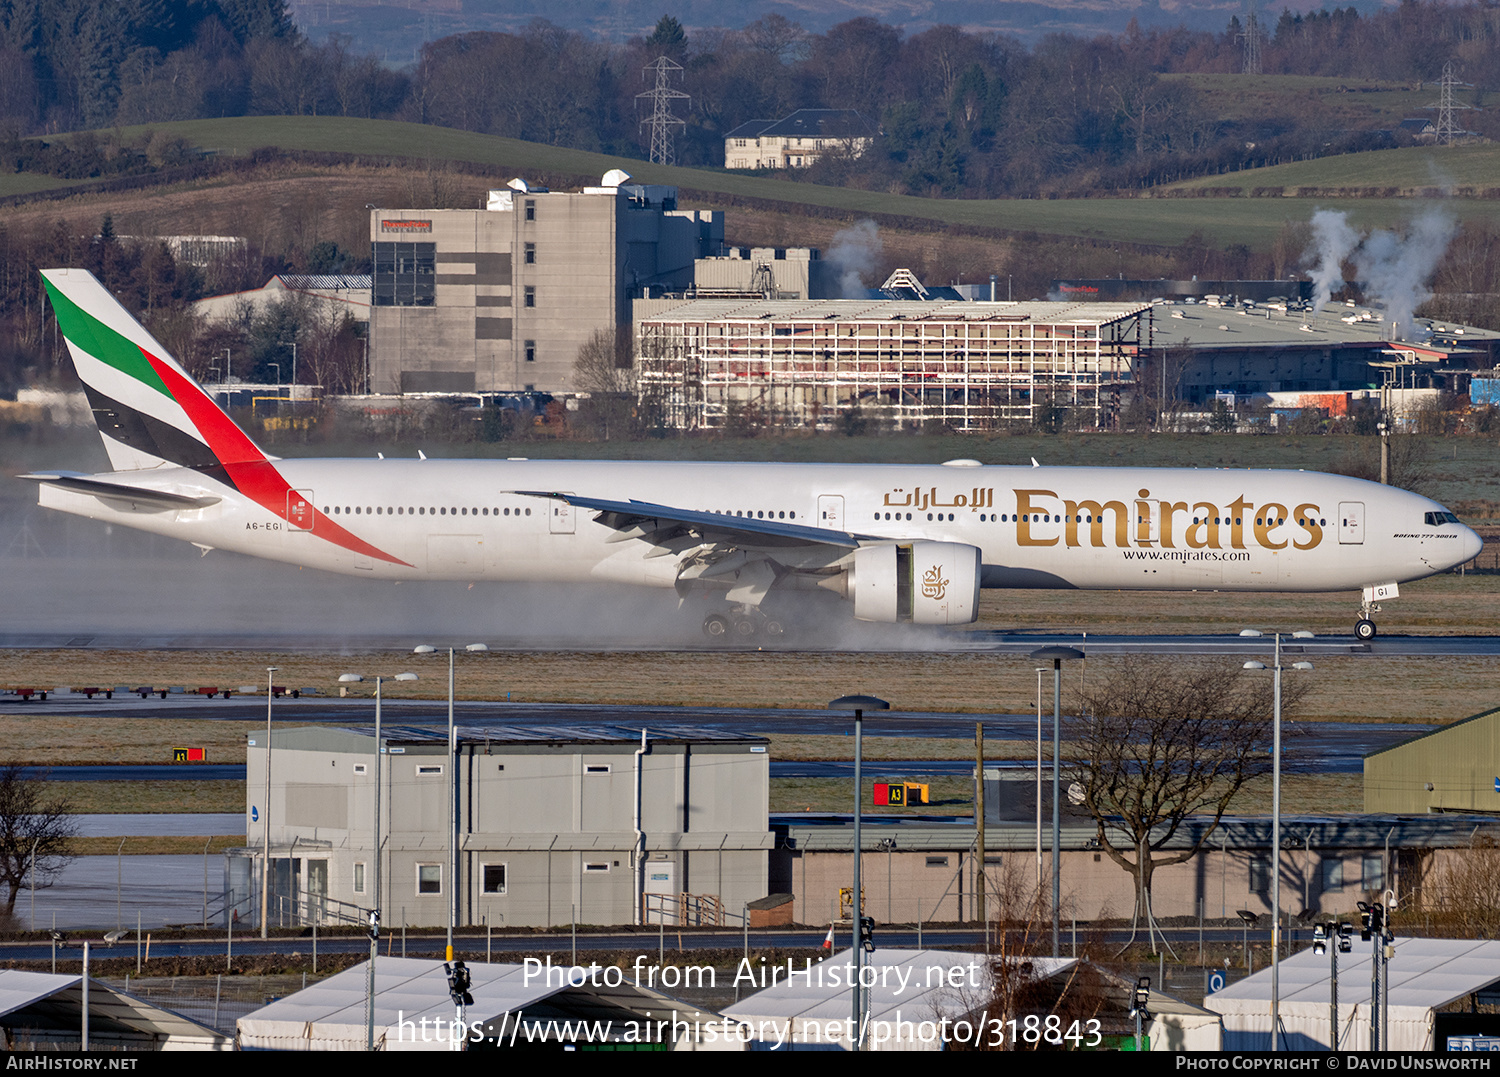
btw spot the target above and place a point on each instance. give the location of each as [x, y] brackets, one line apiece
[1128, 528]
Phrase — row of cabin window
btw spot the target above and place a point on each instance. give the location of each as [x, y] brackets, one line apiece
[345, 510]
[756, 514]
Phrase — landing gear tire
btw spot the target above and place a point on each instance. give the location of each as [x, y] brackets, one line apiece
[715, 626]
[744, 628]
[774, 628]
[1364, 630]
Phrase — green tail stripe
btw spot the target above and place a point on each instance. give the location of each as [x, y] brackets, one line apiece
[102, 342]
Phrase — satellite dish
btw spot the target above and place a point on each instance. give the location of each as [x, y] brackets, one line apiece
[1075, 793]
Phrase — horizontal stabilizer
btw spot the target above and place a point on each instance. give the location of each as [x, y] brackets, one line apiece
[88, 484]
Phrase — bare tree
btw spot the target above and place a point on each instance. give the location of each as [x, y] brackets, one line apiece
[32, 824]
[605, 368]
[1469, 889]
[605, 362]
[1410, 463]
[1161, 741]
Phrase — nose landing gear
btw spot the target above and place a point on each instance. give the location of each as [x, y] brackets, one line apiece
[1364, 628]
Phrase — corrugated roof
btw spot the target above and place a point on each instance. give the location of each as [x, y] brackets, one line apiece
[1326, 832]
[1336, 325]
[328, 282]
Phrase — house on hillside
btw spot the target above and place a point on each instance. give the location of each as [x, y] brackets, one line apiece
[799, 139]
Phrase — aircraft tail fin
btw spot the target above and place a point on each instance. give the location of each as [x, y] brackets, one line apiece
[149, 411]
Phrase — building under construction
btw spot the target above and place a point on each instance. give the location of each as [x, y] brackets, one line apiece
[968, 366]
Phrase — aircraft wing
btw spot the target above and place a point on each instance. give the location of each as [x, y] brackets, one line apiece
[653, 523]
[139, 495]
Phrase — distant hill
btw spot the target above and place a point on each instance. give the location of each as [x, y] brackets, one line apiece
[1467, 171]
[396, 28]
[1155, 221]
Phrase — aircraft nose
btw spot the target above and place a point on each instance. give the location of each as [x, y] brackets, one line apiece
[1472, 544]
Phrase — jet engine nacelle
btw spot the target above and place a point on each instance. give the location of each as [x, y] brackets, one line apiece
[925, 583]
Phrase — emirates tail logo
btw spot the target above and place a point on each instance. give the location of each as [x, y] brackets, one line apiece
[933, 584]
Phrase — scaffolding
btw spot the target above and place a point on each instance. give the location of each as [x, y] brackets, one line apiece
[965, 366]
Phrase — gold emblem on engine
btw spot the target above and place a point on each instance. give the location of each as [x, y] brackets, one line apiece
[933, 584]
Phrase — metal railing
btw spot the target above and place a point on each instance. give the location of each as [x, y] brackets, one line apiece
[684, 910]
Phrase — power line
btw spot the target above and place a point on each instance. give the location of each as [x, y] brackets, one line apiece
[1447, 127]
[1251, 36]
[662, 122]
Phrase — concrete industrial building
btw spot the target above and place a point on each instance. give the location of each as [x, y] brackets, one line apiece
[546, 822]
[764, 273]
[967, 365]
[502, 298]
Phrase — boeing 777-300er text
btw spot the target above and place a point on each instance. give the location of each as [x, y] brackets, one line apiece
[898, 543]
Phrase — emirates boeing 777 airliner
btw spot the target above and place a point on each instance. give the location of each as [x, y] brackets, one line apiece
[899, 543]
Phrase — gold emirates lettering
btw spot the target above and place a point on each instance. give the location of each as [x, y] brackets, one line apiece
[1163, 523]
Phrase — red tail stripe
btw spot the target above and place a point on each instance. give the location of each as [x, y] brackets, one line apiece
[252, 474]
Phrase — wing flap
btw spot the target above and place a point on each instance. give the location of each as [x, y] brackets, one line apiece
[643, 519]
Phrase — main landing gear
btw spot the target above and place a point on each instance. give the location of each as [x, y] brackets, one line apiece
[742, 624]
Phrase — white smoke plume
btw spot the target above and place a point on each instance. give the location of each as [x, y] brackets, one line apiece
[1393, 268]
[852, 253]
[1333, 241]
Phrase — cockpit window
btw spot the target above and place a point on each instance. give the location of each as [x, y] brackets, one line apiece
[1436, 519]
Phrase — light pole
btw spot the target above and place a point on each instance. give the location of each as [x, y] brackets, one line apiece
[1276, 827]
[1333, 936]
[858, 704]
[354, 678]
[1039, 671]
[293, 345]
[474, 648]
[374, 919]
[1056, 655]
[265, 808]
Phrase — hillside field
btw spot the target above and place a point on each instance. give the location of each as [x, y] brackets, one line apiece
[1147, 221]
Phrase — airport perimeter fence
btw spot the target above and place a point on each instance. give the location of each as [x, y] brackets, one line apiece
[1486, 564]
[216, 1001]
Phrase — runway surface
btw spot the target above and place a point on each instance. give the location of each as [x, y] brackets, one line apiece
[1311, 747]
[902, 641]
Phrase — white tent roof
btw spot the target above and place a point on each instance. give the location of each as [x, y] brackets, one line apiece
[1424, 975]
[330, 1016]
[911, 986]
[50, 1007]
